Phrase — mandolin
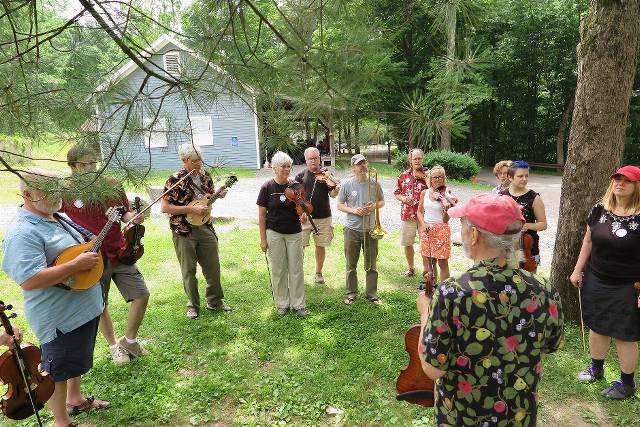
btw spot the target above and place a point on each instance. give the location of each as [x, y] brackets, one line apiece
[83, 280]
[208, 200]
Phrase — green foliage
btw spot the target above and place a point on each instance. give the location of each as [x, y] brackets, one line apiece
[457, 165]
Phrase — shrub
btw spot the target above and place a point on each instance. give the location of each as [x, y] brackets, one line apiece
[457, 165]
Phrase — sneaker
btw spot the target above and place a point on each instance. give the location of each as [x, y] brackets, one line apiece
[222, 307]
[283, 311]
[119, 355]
[590, 375]
[319, 279]
[192, 313]
[303, 312]
[135, 349]
[619, 391]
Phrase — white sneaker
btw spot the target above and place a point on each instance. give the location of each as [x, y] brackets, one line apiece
[119, 356]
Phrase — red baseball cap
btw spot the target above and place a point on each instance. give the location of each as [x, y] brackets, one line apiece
[489, 211]
[632, 173]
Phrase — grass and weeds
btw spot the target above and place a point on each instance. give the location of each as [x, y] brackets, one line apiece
[251, 367]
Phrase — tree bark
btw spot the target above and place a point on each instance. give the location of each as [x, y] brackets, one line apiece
[607, 58]
[564, 121]
[356, 133]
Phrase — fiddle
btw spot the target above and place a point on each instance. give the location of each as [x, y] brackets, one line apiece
[529, 263]
[413, 385]
[421, 172]
[27, 388]
[295, 193]
[133, 234]
[324, 175]
[446, 198]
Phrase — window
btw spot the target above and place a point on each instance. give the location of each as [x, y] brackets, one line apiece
[172, 63]
[156, 136]
[202, 130]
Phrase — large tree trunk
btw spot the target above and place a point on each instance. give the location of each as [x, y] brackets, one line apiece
[445, 131]
[356, 133]
[607, 57]
[564, 121]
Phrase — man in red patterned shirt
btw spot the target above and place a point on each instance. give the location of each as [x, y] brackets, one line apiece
[408, 188]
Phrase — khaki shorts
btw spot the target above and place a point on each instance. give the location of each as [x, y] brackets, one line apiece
[128, 279]
[325, 232]
[408, 232]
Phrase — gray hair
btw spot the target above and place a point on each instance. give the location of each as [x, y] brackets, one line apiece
[280, 159]
[507, 244]
[30, 178]
[189, 151]
[311, 150]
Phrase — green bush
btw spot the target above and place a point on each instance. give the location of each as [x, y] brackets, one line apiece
[457, 165]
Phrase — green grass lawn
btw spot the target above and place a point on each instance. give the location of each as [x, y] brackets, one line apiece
[251, 367]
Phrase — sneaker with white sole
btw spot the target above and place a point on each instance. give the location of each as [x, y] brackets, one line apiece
[319, 279]
[619, 391]
[119, 355]
[590, 375]
[135, 349]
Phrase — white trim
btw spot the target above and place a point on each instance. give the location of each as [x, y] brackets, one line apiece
[206, 135]
[156, 137]
[167, 62]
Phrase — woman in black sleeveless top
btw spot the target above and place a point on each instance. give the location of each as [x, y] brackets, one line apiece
[530, 201]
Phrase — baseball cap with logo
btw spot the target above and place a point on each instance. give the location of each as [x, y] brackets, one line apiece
[489, 211]
[357, 158]
[632, 173]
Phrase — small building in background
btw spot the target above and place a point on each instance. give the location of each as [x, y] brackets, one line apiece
[140, 120]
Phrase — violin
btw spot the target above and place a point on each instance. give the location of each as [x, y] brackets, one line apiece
[413, 385]
[449, 200]
[133, 234]
[295, 193]
[421, 173]
[323, 175]
[529, 262]
[27, 388]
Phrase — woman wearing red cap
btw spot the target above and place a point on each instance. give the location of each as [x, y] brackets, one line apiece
[609, 300]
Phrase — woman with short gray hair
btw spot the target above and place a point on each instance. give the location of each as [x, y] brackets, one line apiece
[189, 151]
[281, 236]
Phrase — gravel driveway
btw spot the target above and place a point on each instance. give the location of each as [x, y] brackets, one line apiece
[241, 203]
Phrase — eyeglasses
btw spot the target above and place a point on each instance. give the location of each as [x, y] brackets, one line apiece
[438, 177]
[313, 158]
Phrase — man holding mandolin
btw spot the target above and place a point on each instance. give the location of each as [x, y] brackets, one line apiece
[90, 214]
[65, 322]
[195, 242]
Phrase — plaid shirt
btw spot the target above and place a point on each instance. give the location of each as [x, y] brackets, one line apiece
[183, 194]
[408, 185]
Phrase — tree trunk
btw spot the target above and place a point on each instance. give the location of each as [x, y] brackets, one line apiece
[564, 121]
[607, 58]
[445, 131]
[356, 133]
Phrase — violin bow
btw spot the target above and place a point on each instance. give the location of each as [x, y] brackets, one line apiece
[584, 342]
[159, 197]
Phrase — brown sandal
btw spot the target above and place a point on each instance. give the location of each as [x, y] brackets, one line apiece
[409, 273]
[89, 403]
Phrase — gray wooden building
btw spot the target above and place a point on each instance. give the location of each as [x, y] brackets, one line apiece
[146, 118]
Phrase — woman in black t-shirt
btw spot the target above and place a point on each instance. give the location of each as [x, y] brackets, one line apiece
[610, 309]
[530, 202]
[281, 235]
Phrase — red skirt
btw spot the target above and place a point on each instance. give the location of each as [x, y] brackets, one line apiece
[436, 242]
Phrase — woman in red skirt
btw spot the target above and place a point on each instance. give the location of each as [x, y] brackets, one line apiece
[435, 234]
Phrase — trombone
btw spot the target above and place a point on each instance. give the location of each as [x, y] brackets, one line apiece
[377, 233]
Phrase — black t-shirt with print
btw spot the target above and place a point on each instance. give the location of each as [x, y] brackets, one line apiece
[281, 213]
[615, 250]
[317, 192]
[526, 204]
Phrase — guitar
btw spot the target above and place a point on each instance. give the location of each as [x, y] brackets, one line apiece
[83, 280]
[208, 200]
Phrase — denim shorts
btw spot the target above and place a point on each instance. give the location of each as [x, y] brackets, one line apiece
[70, 355]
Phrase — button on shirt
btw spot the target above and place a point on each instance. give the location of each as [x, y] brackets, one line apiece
[408, 185]
[31, 244]
[355, 195]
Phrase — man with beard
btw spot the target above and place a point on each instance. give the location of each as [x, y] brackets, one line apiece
[355, 199]
[65, 322]
[318, 188]
[484, 333]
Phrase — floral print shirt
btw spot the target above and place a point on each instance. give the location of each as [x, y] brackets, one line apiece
[408, 185]
[488, 330]
[183, 194]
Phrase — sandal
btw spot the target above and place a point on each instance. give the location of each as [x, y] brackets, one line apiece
[89, 403]
[376, 301]
[410, 272]
[349, 300]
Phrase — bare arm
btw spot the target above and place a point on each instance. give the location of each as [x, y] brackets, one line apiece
[433, 373]
[541, 216]
[51, 276]
[171, 209]
[262, 225]
[420, 213]
[346, 209]
[585, 252]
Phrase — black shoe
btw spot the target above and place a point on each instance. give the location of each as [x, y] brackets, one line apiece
[590, 375]
[619, 391]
